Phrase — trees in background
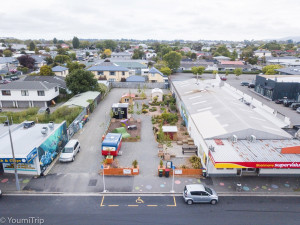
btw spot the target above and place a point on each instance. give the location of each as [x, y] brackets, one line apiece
[26, 61]
[270, 69]
[166, 71]
[79, 81]
[7, 53]
[75, 42]
[173, 60]
[61, 59]
[46, 71]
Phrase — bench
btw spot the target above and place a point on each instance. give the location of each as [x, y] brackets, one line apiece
[132, 127]
[189, 149]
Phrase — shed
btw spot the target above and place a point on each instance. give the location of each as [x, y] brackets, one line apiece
[128, 98]
[120, 110]
[171, 131]
[157, 92]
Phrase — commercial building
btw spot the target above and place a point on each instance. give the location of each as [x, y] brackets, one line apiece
[34, 150]
[234, 137]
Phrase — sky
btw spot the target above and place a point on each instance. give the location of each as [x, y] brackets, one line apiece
[150, 19]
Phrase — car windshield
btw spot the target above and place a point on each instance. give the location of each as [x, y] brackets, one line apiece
[68, 150]
[208, 190]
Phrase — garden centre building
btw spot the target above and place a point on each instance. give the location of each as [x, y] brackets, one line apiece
[35, 147]
[233, 136]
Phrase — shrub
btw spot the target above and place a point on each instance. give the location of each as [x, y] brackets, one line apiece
[196, 162]
[173, 107]
[135, 163]
[138, 112]
[153, 109]
[161, 163]
[144, 111]
[145, 106]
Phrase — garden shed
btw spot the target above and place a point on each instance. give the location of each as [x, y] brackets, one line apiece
[128, 98]
[120, 110]
[157, 92]
[171, 131]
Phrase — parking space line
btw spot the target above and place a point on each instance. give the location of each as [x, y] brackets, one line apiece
[133, 205]
[174, 202]
[152, 205]
[102, 201]
[113, 205]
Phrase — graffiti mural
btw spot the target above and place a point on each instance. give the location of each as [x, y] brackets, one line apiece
[49, 150]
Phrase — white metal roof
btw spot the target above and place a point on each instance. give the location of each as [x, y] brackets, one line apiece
[219, 113]
[169, 129]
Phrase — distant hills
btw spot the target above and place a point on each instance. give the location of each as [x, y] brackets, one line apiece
[294, 38]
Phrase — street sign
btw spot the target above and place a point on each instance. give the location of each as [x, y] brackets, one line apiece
[102, 166]
[173, 167]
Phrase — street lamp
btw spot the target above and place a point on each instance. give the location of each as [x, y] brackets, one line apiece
[13, 154]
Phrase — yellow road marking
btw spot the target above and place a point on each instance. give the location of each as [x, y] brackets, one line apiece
[102, 201]
[174, 202]
[152, 205]
[133, 205]
[139, 200]
[113, 205]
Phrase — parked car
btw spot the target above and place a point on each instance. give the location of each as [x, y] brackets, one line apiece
[244, 83]
[70, 151]
[223, 78]
[0, 110]
[251, 85]
[295, 105]
[198, 193]
[288, 102]
[279, 101]
[0, 193]
[14, 78]
[298, 110]
[44, 110]
[4, 81]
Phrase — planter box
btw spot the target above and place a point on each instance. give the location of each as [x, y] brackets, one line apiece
[109, 159]
[182, 172]
[136, 171]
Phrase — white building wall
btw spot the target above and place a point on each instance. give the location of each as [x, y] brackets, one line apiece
[279, 172]
[33, 95]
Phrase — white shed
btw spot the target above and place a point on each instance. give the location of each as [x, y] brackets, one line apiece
[157, 92]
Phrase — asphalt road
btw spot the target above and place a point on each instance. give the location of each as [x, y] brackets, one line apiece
[127, 210]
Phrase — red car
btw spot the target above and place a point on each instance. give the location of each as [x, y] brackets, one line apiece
[224, 78]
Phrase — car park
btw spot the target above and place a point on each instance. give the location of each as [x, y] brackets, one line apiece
[244, 83]
[70, 151]
[198, 193]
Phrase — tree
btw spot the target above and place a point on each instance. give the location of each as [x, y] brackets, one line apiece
[62, 51]
[7, 53]
[193, 55]
[166, 71]
[79, 81]
[49, 60]
[75, 66]
[226, 73]
[36, 51]
[31, 46]
[46, 71]
[237, 72]
[54, 41]
[198, 70]
[270, 69]
[75, 42]
[106, 53]
[234, 55]
[138, 54]
[222, 50]
[73, 56]
[173, 60]
[62, 59]
[103, 89]
[26, 61]
[110, 44]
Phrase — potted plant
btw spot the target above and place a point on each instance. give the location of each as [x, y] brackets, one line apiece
[135, 163]
[135, 170]
[109, 159]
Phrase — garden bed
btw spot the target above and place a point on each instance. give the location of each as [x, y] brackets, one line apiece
[135, 134]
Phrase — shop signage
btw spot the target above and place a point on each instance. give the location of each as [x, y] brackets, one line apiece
[10, 160]
[178, 171]
[31, 156]
[126, 171]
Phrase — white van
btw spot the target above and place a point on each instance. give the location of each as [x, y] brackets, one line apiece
[70, 151]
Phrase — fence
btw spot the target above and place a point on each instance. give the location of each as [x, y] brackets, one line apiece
[136, 85]
[74, 126]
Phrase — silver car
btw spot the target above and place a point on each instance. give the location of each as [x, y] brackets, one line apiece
[70, 151]
[198, 193]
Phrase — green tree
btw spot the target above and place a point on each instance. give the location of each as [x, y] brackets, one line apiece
[84, 44]
[54, 41]
[75, 42]
[193, 55]
[79, 81]
[62, 51]
[7, 53]
[106, 53]
[226, 73]
[222, 50]
[46, 71]
[75, 66]
[31, 46]
[110, 44]
[49, 60]
[198, 70]
[270, 69]
[237, 72]
[173, 60]
[103, 89]
[138, 54]
[62, 59]
[234, 55]
[166, 71]
[72, 56]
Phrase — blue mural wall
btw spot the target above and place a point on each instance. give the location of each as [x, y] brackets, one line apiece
[184, 114]
[49, 150]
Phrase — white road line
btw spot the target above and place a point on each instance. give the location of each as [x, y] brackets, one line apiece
[204, 109]
[257, 118]
[196, 103]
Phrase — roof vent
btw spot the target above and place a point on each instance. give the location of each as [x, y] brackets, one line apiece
[234, 138]
[51, 125]
[211, 148]
[44, 131]
[252, 138]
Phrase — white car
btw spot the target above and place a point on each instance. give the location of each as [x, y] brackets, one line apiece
[0, 193]
[70, 151]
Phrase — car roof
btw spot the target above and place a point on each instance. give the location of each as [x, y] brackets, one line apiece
[71, 143]
[195, 187]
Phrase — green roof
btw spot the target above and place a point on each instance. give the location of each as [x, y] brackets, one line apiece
[131, 65]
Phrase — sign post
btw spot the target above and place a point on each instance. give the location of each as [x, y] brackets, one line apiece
[173, 168]
[102, 167]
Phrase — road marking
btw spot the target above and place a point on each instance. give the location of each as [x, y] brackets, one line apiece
[113, 205]
[133, 205]
[102, 201]
[174, 202]
[139, 200]
[152, 205]
[195, 97]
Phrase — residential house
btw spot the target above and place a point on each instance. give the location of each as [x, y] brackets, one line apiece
[157, 93]
[289, 61]
[64, 46]
[59, 80]
[121, 55]
[60, 71]
[8, 63]
[289, 71]
[136, 78]
[19, 47]
[39, 60]
[24, 94]
[109, 71]
[221, 58]
[134, 67]
[155, 75]
[262, 53]
[150, 55]
[184, 65]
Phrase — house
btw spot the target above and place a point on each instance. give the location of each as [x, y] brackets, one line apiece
[150, 55]
[8, 62]
[155, 75]
[140, 79]
[39, 60]
[128, 98]
[232, 67]
[157, 93]
[19, 47]
[64, 46]
[262, 53]
[136, 67]
[184, 65]
[60, 71]
[121, 55]
[221, 58]
[24, 94]
[289, 71]
[109, 71]
[60, 81]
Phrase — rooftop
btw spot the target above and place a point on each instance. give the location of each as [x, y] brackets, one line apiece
[28, 85]
[153, 70]
[50, 79]
[284, 78]
[59, 69]
[82, 99]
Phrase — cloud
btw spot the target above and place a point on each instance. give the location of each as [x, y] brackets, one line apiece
[150, 19]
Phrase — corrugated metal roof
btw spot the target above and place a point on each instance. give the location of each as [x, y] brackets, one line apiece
[153, 70]
[59, 69]
[28, 85]
[108, 68]
[135, 79]
[82, 99]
